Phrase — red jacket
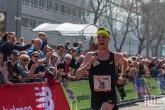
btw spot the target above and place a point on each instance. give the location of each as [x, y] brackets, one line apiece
[50, 81]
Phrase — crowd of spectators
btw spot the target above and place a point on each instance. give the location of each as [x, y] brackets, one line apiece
[22, 61]
[143, 67]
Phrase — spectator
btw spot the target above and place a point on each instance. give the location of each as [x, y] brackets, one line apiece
[74, 54]
[94, 46]
[79, 62]
[3, 71]
[141, 58]
[35, 59]
[141, 69]
[59, 53]
[79, 47]
[1, 35]
[7, 45]
[23, 52]
[51, 76]
[146, 69]
[21, 41]
[131, 72]
[63, 68]
[43, 37]
[14, 56]
[125, 54]
[153, 67]
[44, 49]
[53, 61]
[37, 46]
[49, 49]
[67, 46]
[23, 70]
[162, 70]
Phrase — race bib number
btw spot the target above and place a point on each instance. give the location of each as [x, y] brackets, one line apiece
[102, 83]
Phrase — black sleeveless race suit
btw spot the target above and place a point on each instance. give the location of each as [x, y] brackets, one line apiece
[101, 71]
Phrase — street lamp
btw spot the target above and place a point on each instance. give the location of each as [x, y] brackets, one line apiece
[16, 28]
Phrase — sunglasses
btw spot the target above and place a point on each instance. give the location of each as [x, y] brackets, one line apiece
[25, 60]
[36, 56]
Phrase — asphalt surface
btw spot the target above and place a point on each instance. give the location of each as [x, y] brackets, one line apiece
[142, 106]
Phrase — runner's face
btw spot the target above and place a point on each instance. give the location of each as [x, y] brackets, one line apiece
[103, 41]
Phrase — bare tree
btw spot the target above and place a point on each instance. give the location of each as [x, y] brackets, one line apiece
[96, 9]
[114, 16]
[145, 23]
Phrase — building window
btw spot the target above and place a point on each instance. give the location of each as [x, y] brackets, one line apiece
[74, 13]
[68, 10]
[50, 6]
[34, 3]
[26, 2]
[56, 7]
[33, 24]
[62, 8]
[25, 23]
[79, 13]
[43, 4]
[40, 22]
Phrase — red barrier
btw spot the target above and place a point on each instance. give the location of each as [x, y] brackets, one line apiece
[32, 97]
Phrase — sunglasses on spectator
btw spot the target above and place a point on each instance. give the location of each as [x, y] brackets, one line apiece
[25, 60]
[36, 56]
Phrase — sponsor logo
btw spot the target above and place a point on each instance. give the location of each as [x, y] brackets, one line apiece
[45, 98]
[20, 108]
[79, 98]
[111, 62]
[154, 101]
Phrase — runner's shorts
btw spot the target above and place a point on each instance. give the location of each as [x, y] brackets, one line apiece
[98, 98]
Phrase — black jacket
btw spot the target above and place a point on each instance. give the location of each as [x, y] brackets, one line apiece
[7, 50]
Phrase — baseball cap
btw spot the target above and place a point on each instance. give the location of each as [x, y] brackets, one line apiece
[15, 52]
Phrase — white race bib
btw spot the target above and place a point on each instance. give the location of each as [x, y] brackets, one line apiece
[102, 83]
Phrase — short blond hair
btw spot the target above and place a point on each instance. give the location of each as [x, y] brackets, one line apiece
[23, 56]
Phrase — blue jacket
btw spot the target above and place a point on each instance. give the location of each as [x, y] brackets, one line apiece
[32, 49]
[7, 50]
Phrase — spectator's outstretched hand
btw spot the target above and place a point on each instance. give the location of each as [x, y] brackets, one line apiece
[61, 71]
[31, 43]
[59, 79]
[48, 55]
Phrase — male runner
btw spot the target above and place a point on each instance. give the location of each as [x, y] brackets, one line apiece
[102, 78]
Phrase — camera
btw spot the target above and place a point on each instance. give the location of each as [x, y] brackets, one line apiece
[44, 68]
[47, 71]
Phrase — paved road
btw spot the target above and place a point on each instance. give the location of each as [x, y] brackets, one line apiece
[140, 106]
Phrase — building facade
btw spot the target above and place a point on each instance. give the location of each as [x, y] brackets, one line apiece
[22, 16]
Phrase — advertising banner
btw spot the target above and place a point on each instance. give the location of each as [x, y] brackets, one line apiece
[161, 84]
[152, 86]
[129, 90]
[32, 97]
[78, 95]
[140, 87]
